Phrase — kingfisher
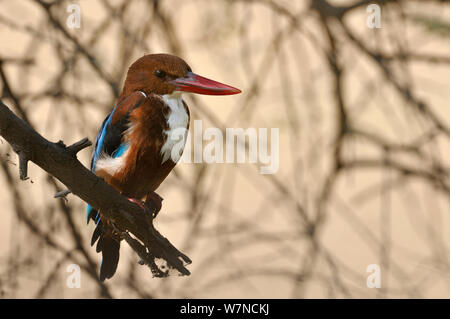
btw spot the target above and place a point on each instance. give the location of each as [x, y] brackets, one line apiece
[134, 148]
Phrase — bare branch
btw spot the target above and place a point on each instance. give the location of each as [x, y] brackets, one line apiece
[62, 163]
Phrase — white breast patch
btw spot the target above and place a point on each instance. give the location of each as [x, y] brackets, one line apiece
[111, 165]
[178, 121]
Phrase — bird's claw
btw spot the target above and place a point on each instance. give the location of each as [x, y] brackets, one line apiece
[138, 202]
[153, 203]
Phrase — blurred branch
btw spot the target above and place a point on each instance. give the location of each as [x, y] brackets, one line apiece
[80, 48]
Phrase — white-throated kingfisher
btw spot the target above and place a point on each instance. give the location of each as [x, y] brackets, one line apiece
[133, 149]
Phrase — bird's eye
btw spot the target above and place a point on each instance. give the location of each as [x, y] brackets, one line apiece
[160, 73]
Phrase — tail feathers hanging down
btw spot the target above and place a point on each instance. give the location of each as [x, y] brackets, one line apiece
[109, 247]
[110, 258]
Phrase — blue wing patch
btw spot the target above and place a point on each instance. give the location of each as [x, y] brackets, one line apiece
[122, 149]
[109, 139]
[100, 139]
[97, 151]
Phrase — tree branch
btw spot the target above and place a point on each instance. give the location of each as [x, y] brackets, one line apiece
[61, 162]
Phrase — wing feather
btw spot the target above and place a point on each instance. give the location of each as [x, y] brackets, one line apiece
[109, 138]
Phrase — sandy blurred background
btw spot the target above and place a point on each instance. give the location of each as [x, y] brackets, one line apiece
[364, 146]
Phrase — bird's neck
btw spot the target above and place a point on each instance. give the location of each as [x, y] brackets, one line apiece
[173, 100]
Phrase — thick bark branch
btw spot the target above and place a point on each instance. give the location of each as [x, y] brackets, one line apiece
[61, 162]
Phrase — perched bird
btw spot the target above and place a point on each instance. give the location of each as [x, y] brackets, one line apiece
[133, 149]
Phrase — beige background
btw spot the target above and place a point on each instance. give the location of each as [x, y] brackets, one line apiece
[246, 233]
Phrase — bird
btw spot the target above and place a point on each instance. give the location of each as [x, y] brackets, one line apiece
[133, 149]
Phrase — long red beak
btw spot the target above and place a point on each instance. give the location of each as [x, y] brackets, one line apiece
[198, 84]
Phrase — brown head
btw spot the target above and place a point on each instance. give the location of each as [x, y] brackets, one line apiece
[164, 74]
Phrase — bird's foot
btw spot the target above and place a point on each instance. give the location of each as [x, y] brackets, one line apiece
[138, 202]
[153, 203]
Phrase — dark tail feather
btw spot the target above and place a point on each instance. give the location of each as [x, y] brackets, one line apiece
[110, 258]
[109, 247]
[97, 233]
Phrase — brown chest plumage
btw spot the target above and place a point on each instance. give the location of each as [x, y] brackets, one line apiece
[143, 168]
